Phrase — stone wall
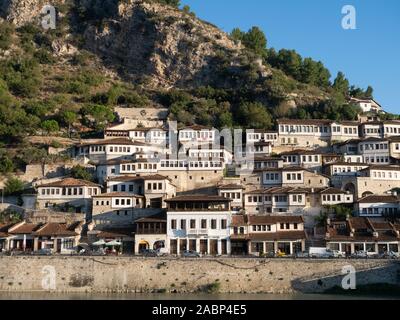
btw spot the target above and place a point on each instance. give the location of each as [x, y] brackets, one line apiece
[128, 274]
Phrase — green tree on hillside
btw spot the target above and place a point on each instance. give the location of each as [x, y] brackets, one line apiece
[50, 126]
[341, 84]
[98, 115]
[69, 118]
[6, 33]
[254, 39]
[254, 115]
[13, 186]
[79, 172]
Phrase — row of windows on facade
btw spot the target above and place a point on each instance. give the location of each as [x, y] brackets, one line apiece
[306, 129]
[191, 164]
[346, 169]
[139, 166]
[117, 202]
[203, 224]
[196, 134]
[314, 158]
[150, 186]
[259, 199]
[379, 210]
[377, 159]
[265, 228]
[231, 195]
[374, 146]
[383, 174]
[68, 191]
[259, 136]
[346, 130]
[333, 197]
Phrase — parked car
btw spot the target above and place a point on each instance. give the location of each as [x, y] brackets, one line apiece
[338, 254]
[149, 253]
[360, 254]
[390, 255]
[303, 254]
[162, 252]
[190, 254]
[43, 252]
[280, 254]
[320, 252]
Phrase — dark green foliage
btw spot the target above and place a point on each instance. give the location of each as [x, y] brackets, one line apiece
[79, 172]
[10, 216]
[334, 109]
[307, 71]
[50, 126]
[253, 115]
[360, 93]
[22, 75]
[97, 116]
[13, 186]
[43, 56]
[254, 39]
[6, 164]
[341, 84]
[6, 33]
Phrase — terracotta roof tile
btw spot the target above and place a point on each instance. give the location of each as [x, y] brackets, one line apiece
[57, 229]
[69, 182]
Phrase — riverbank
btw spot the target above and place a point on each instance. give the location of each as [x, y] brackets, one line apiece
[163, 275]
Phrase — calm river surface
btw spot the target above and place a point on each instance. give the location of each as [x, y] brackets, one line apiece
[161, 296]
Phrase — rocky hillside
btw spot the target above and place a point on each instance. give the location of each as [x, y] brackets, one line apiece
[151, 43]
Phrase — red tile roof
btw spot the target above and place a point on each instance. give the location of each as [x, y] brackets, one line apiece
[69, 182]
[58, 229]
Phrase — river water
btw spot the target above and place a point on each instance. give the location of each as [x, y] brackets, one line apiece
[169, 296]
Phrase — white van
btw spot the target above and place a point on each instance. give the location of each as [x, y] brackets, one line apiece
[322, 252]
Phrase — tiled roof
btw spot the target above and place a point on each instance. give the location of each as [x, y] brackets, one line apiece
[306, 121]
[198, 197]
[230, 186]
[116, 233]
[69, 182]
[24, 228]
[58, 229]
[138, 178]
[117, 194]
[379, 199]
[332, 191]
[257, 219]
[160, 217]
[362, 229]
[279, 236]
[4, 229]
[301, 152]
[117, 141]
[383, 167]
[238, 220]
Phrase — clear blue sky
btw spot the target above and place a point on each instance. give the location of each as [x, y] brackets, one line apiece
[369, 55]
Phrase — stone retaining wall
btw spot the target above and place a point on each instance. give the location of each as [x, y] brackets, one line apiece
[234, 275]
